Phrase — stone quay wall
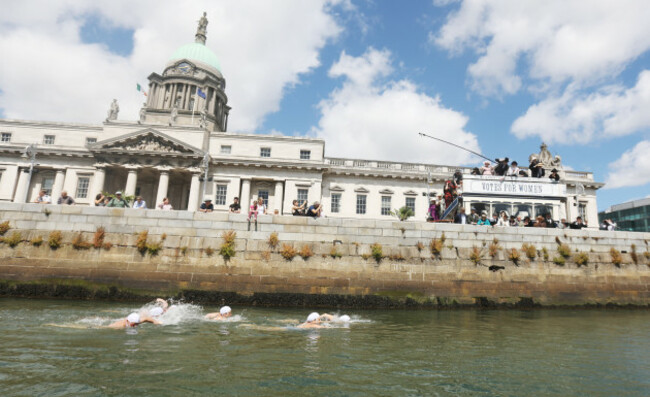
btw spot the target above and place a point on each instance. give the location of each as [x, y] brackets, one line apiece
[346, 263]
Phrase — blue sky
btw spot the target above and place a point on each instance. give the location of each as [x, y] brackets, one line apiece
[367, 76]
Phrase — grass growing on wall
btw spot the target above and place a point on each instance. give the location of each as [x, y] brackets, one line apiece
[227, 249]
[141, 242]
[376, 251]
[564, 250]
[14, 239]
[581, 259]
[476, 255]
[334, 253]
[306, 252]
[37, 241]
[80, 243]
[273, 240]
[288, 252]
[530, 251]
[4, 227]
[98, 237]
[494, 248]
[514, 256]
[55, 239]
[617, 258]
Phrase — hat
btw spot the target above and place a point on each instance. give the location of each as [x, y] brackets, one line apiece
[225, 310]
[486, 162]
[207, 199]
[156, 311]
[313, 317]
[514, 163]
[345, 318]
[133, 318]
[554, 170]
[118, 193]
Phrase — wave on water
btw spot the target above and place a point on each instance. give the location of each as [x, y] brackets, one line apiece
[177, 313]
[232, 319]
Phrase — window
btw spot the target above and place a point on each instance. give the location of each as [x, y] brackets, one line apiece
[305, 154]
[221, 195]
[82, 187]
[582, 211]
[48, 182]
[336, 203]
[90, 141]
[385, 205]
[48, 140]
[410, 203]
[361, 203]
[303, 195]
[225, 149]
[265, 152]
[6, 137]
[265, 195]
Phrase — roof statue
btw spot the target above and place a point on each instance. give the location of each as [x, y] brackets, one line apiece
[545, 157]
[201, 31]
[113, 111]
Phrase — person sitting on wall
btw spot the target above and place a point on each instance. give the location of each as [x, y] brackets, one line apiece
[550, 222]
[43, 198]
[578, 224]
[540, 221]
[514, 169]
[536, 168]
[165, 205]
[513, 221]
[65, 199]
[432, 212]
[475, 171]
[554, 176]
[503, 220]
[315, 210]
[461, 217]
[118, 201]
[99, 200]
[206, 205]
[235, 208]
[473, 217]
[450, 191]
[261, 207]
[483, 220]
[252, 211]
[563, 224]
[140, 203]
[523, 173]
[298, 209]
[501, 167]
[608, 224]
[528, 222]
[486, 169]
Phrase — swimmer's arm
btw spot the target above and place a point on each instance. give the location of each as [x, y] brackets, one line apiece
[163, 302]
[213, 316]
[326, 317]
[150, 320]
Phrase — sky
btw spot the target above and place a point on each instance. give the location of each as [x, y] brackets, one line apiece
[496, 76]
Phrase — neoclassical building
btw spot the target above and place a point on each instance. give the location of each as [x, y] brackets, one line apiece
[180, 148]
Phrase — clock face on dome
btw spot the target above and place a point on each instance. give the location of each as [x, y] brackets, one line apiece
[184, 67]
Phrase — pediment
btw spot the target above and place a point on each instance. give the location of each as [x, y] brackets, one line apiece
[148, 141]
[362, 190]
[410, 193]
[336, 188]
[386, 191]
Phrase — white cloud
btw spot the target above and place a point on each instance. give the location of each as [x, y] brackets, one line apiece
[631, 169]
[47, 73]
[372, 119]
[580, 41]
[575, 117]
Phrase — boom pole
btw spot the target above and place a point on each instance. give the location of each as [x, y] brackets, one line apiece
[453, 144]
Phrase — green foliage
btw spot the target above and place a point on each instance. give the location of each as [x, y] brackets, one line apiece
[37, 241]
[227, 249]
[403, 213]
[559, 260]
[54, 239]
[617, 258]
[545, 254]
[529, 250]
[564, 250]
[514, 256]
[581, 259]
[633, 255]
[334, 253]
[209, 251]
[376, 252]
[14, 239]
[288, 252]
[4, 227]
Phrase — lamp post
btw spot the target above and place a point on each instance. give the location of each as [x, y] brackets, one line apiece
[206, 166]
[30, 153]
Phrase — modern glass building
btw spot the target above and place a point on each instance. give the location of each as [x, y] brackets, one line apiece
[633, 216]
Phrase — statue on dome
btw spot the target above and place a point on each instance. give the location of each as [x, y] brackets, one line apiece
[546, 158]
[143, 112]
[113, 111]
[201, 31]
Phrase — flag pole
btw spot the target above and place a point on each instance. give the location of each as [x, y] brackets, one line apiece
[193, 108]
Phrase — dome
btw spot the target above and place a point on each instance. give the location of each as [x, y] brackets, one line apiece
[197, 52]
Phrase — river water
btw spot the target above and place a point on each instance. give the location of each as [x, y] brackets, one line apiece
[57, 348]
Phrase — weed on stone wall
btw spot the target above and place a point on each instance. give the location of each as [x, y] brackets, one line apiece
[530, 251]
[581, 259]
[98, 237]
[494, 248]
[436, 246]
[564, 250]
[36, 241]
[183, 250]
[55, 239]
[306, 252]
[4, 227]
[273, 241]
[559, 260]
[419, 246]
[266, 255]
[476, 255]
[617, 258]
[107, 246]
[334, 253]
[80, 243]
[514, 256]
[633, 255]
[227, 249]
[545, 253]
[14, 239]
[288, 252]
[397, 257]
[209, 251]
[376, 251]
[141, 242]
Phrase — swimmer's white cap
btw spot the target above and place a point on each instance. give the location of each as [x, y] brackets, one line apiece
[313, 317]
[133, 318]
[225, 310]
[345, 318]
[156, 311]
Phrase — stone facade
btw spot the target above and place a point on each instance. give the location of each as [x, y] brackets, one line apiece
[342, 264]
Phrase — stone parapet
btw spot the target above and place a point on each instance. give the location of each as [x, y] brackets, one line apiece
[344, 257]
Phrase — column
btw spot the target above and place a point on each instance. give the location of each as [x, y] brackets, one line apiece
[195, 186]
[22, 188]
[131, 181]
[163, 185]
[57, 187]
[245, 197]
[278, 199]
[98, 180]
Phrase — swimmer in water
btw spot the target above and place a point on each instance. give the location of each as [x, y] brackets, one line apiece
[161, 308]
[133, 320]
[328, 317]
[313, 321]
[223, 314]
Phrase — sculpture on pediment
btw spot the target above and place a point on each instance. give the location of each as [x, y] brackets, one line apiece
[147, 144]
[143, 113]
[545, 157]
[173, 115]
[203, 121]
[113, 111]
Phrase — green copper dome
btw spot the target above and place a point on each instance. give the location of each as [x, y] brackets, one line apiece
[197, 52]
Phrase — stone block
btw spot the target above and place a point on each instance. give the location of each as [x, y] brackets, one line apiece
[270, 227]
